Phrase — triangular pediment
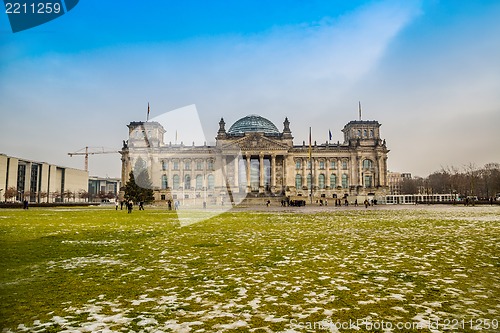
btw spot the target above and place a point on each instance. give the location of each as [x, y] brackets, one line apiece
[255, 141]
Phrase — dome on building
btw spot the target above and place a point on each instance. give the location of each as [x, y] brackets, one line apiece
[253, 123]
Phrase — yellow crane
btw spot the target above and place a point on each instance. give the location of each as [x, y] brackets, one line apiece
[92, 151]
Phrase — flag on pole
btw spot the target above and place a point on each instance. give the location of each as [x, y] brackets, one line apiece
[330, 135]
[147, 118]
[359, 107]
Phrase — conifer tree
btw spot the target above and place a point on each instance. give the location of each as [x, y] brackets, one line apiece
[138, 193]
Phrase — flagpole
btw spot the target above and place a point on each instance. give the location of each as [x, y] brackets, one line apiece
[147, 118]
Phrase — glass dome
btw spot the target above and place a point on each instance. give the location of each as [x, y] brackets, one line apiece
[253, 123]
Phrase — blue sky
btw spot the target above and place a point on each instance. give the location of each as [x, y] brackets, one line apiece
[427, 70]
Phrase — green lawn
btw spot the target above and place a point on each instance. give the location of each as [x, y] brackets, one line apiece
[95, 269]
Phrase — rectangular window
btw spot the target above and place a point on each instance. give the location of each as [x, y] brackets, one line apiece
[187, 165]
[176, 165]
[210, 165]
[298, 165]
[199, 166]
[344, 165]
[333, 165]
[345, 181]
[368, 181]
[164, 165]
[322, 165]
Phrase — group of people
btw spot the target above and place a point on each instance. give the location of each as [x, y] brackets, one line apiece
[129, 205]
[176, 204]
[324, 202]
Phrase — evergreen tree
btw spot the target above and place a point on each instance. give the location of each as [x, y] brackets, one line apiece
[138, 193]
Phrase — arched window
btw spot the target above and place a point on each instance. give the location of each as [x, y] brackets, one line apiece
[333, 180]
[187, 182]
[199, 182]
[321, 181]
[298, 181]
[211, 182]
[367, 164]
[164, 182]
[176, 181]
[345, 181]
[371, 133]
[365, 133]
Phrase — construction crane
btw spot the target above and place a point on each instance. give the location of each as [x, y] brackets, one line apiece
[91, 151]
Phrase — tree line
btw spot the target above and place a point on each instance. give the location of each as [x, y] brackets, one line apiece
[469, 180]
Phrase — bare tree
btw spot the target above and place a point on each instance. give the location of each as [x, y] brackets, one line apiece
[10, 193]
[472, 176]
[56, 195]
[43, 195]
[68, 195]
[409, 186]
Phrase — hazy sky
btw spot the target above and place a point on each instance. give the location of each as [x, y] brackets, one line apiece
[428, 71]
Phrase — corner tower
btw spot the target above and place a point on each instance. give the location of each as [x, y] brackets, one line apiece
[362, 132]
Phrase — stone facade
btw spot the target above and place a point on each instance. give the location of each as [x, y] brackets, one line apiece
[254, 158]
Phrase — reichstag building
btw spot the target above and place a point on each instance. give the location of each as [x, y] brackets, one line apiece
[254, 158]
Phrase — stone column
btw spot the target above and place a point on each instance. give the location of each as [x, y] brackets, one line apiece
[305, 162]
[383, 176]
[170, 179]
[224, 165]
[315, 173]
[327, 175]
[236, 172]
[338, 172]
[249, 187]
[284, 175]
[354, 181]
[273, 173]
[261, 172]
[205, 174]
